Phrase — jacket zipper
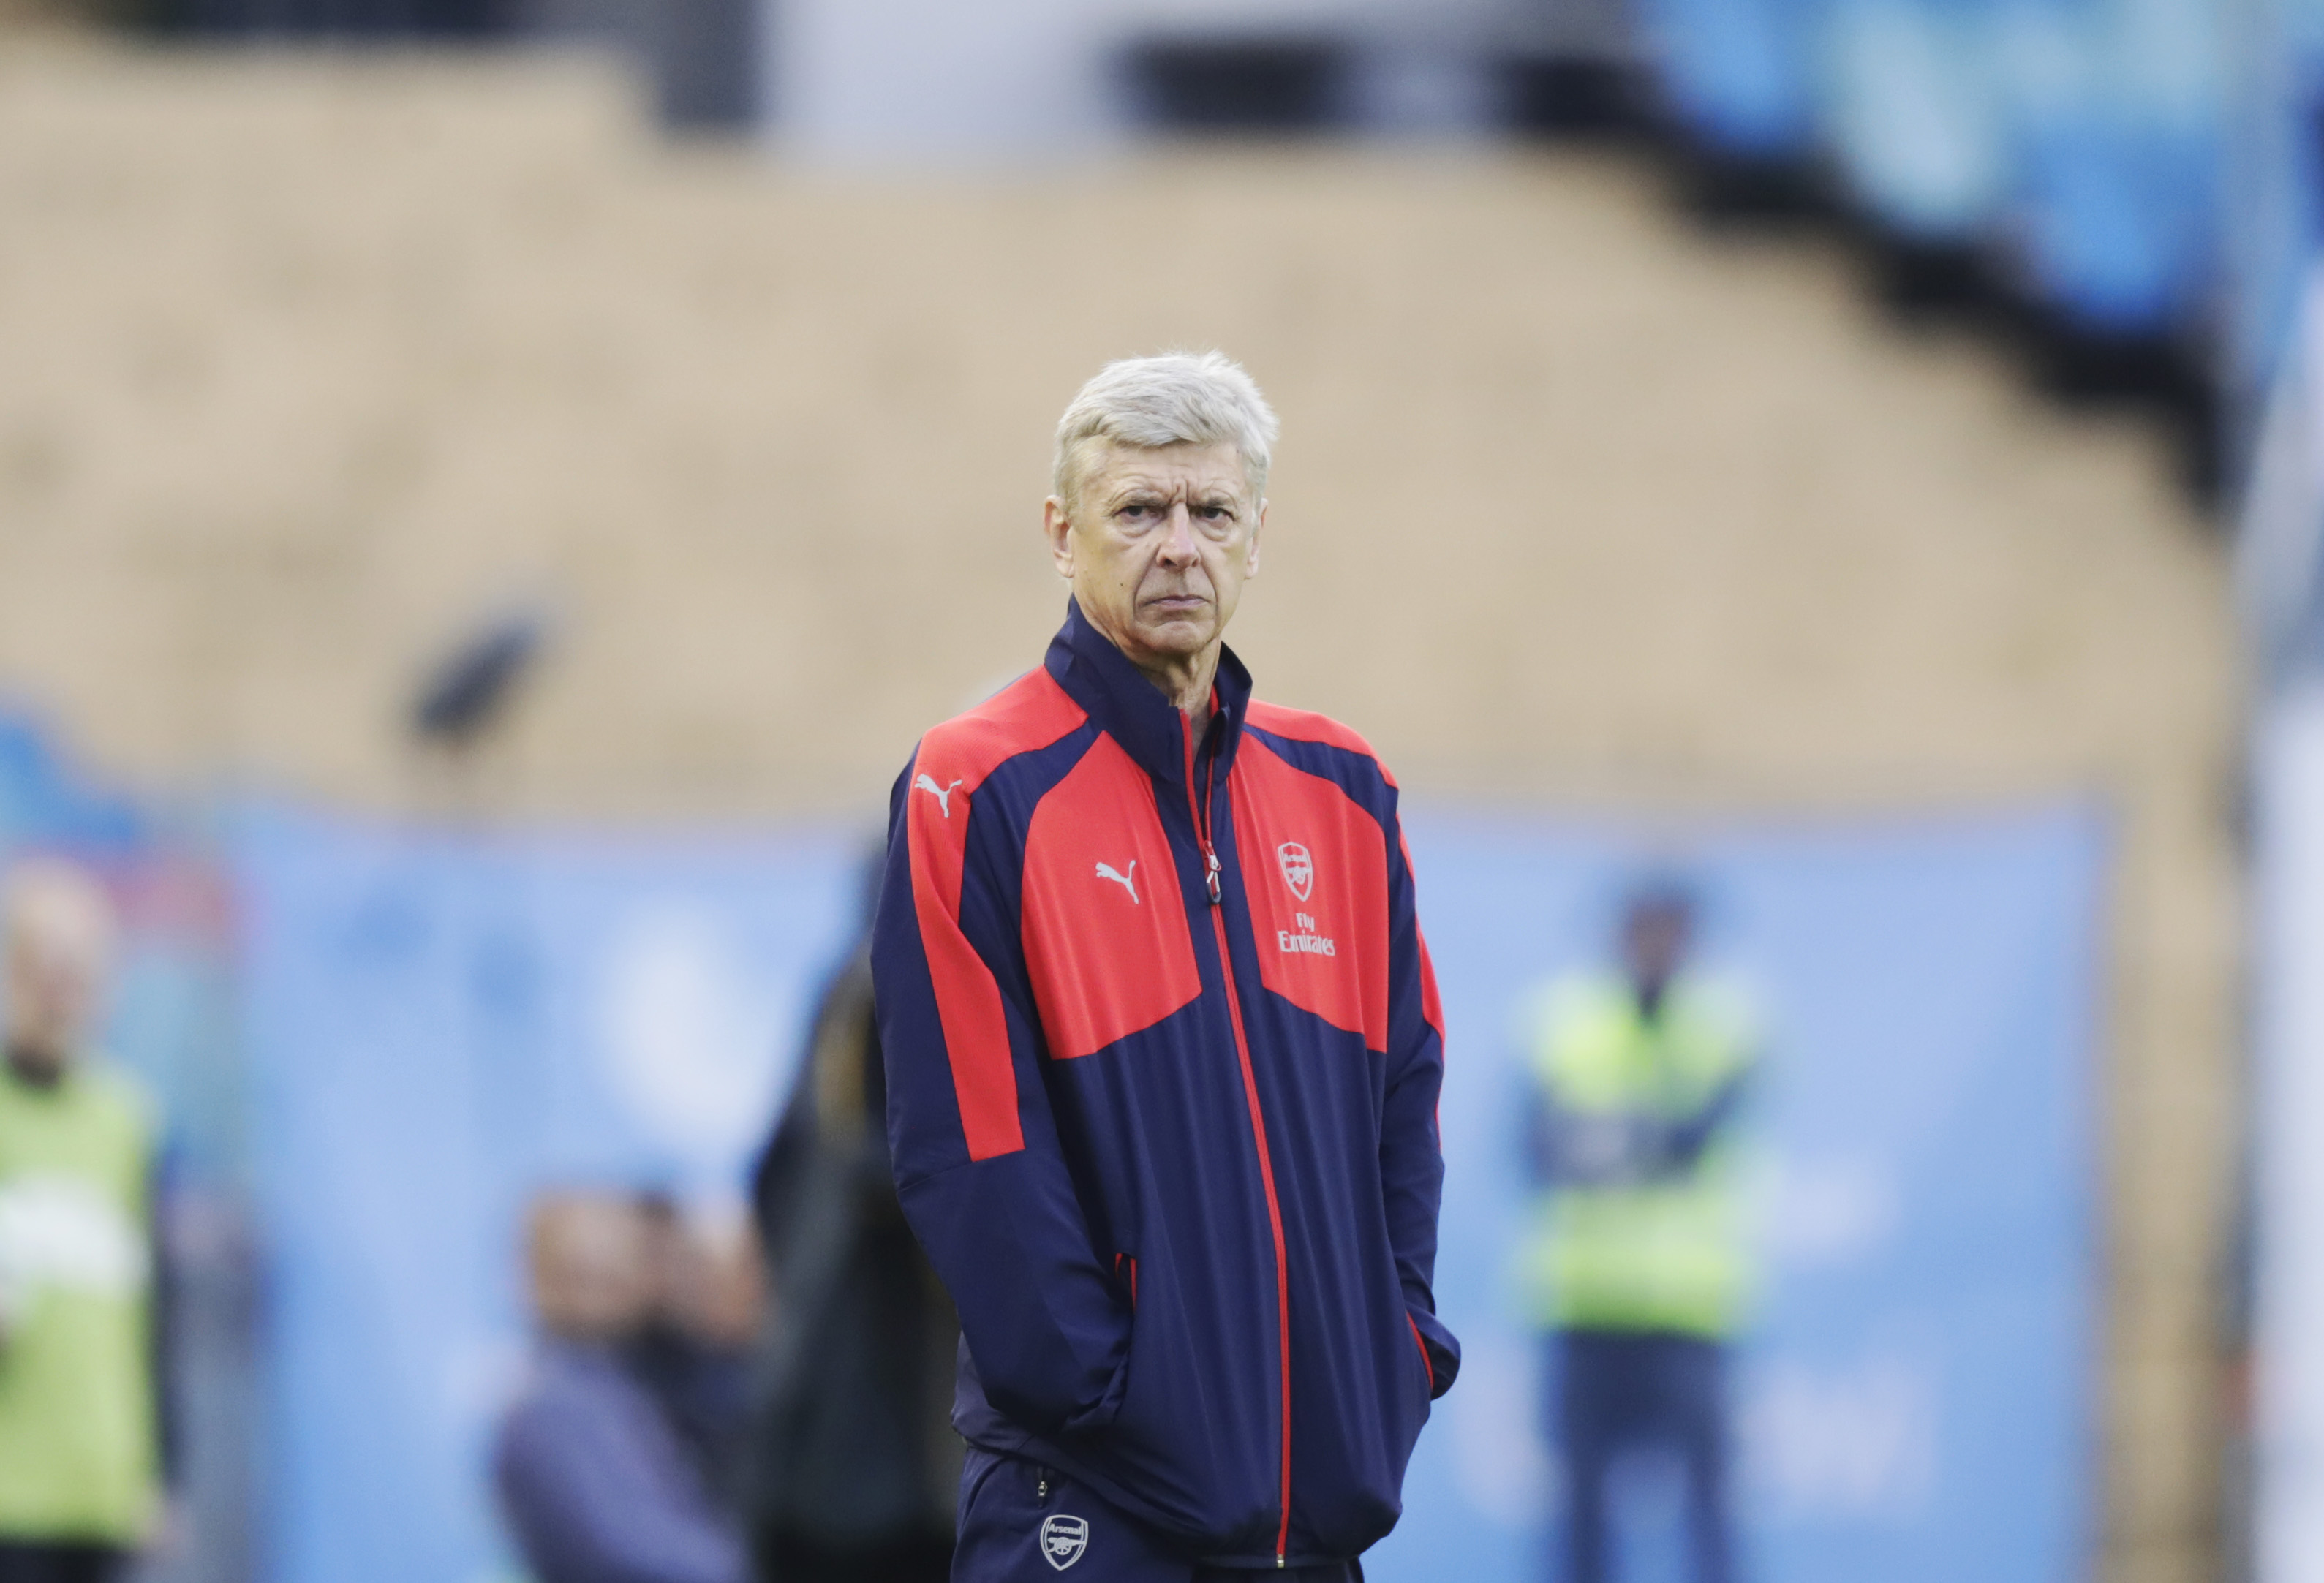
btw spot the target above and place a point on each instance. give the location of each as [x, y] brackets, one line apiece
[1201, 809]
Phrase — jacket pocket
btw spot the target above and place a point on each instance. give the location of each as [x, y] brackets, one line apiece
[1427, 1365]
[1196, 1437]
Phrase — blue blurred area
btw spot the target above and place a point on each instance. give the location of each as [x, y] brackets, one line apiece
[45, 802]
[441, 1025]
[2276, 188]
[1739, 75]
[1915, 1403]
[2084, 139]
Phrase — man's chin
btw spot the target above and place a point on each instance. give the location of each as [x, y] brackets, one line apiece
[1181, 636]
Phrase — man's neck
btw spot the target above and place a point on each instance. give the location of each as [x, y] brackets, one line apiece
[1198, 717]
[1187, 680]
[1187, 683]
[31, 1070]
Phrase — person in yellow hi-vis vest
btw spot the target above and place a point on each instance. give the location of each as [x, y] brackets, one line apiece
[1637, 1263]
[78, 1432]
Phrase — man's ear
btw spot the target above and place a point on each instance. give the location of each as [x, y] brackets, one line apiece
[1057, 528]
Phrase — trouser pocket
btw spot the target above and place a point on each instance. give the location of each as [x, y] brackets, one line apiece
[1023, 1522]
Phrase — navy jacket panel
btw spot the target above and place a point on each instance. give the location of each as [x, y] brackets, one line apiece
[1176, 1157]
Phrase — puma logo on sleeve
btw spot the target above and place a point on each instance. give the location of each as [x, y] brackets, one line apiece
[943, 794]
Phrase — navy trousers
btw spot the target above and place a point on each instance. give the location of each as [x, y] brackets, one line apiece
[1020, 1522]
[40, 1561]
[1620, 1392]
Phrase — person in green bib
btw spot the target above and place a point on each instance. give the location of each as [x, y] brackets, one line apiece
[1638, 1265]
[80, 1453]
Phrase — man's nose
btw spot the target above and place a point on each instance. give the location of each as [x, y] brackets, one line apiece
[1178, 538]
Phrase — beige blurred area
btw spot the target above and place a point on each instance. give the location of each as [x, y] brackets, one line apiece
[313, 363]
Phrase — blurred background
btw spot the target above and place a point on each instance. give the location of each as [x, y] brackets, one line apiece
[491, 492]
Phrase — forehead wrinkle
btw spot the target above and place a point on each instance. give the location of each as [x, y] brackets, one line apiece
[1171, 485]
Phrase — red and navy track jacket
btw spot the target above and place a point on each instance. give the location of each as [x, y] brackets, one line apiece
[1163, 1051]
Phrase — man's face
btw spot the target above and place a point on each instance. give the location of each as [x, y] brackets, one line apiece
[592, 1268]
[1157, 544]
[51, 994]
[1655, 940]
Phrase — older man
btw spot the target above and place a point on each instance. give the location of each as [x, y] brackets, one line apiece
[1163, 1049]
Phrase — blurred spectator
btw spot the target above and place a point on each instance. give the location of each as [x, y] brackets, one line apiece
[1639, 1260]
[79, 1375]
[594, 1480]
[80, 1379]
[857, 1466]
[694, 1351]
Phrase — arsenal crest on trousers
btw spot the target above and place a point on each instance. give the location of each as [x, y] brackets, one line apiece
[1298, 868]
[1062, 1539]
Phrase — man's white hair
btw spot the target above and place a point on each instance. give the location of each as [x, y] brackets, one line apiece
[1178, 398]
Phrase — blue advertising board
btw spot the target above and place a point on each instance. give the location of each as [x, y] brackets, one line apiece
[1913, 1401]
[442, 1025]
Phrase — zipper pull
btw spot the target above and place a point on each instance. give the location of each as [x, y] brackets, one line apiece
[1212, 876]
[1042, 1492]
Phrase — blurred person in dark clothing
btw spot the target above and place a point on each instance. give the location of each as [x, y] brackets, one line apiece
[856, 1464]
[594, 1481]
[80, 1397]
[694, 1351]
[1638, 1258]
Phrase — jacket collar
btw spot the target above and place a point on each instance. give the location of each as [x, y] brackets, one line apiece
[1131, 710]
